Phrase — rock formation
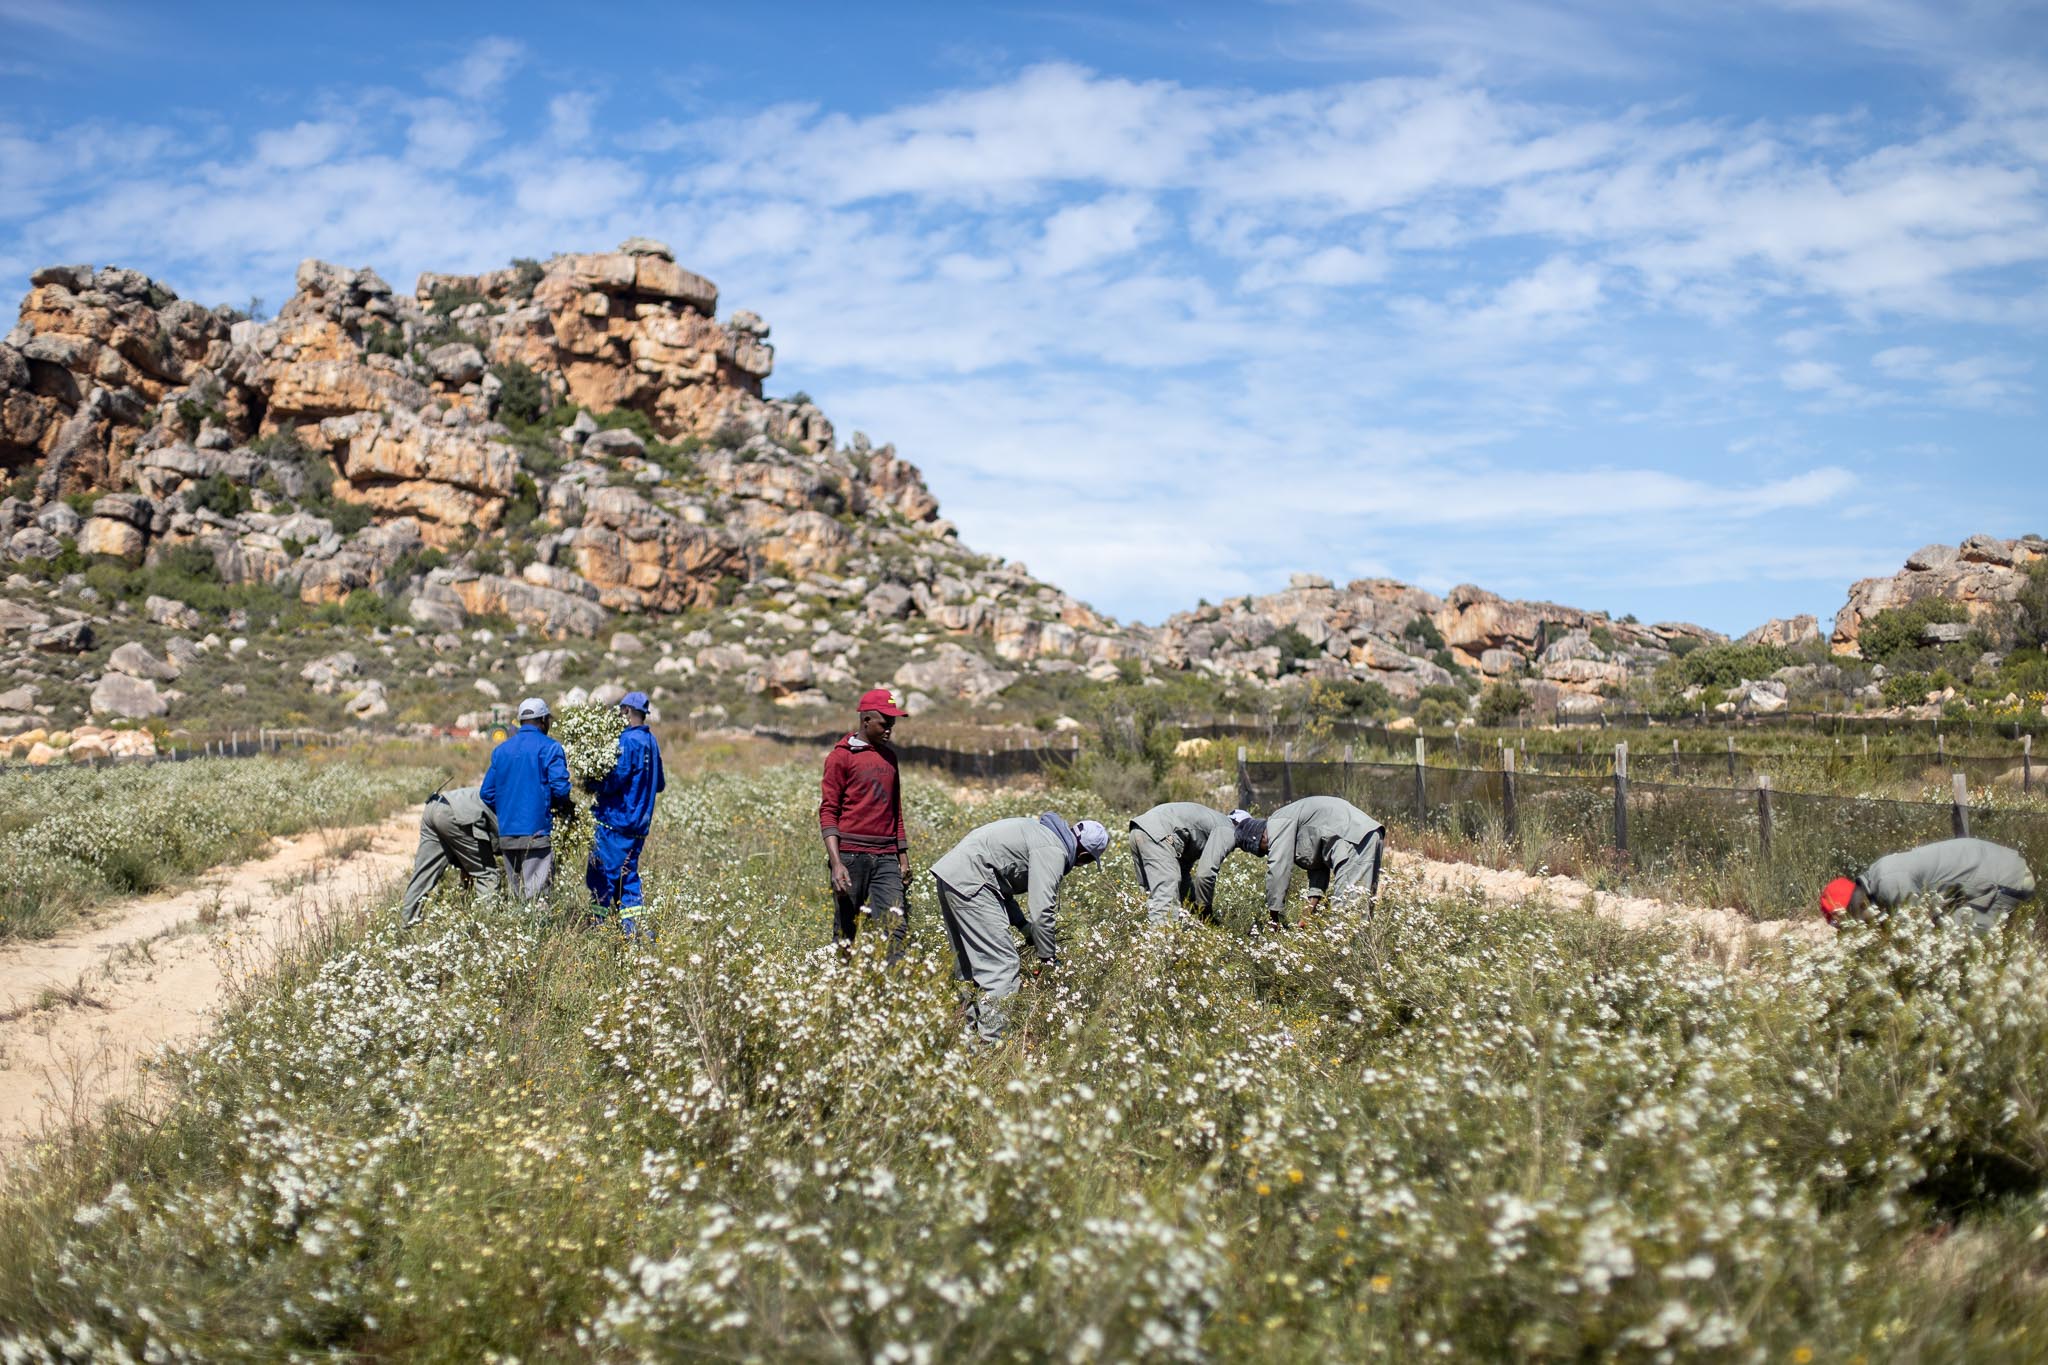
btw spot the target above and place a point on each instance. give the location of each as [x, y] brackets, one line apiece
[1984, 574]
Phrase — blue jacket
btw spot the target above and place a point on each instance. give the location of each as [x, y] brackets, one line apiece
[529, 778]
[625, 797]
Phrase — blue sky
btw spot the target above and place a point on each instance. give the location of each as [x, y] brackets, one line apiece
[1688, 311]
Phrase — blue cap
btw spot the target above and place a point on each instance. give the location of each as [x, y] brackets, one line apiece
[635, 701]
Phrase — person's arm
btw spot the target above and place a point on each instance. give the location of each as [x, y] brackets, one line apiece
[660, 769]
[1221, 840]
[902, 834]
[488, 792]
[1042, 900]
[831, 803]
[557, 773]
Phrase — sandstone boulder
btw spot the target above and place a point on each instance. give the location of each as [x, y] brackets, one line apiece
[954, 672]
[66, 637]
[137, 662]
[117, 694]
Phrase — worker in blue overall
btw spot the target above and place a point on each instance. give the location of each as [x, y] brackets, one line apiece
[623, 813]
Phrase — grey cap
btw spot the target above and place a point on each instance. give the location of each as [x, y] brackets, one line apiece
[1091, 837]
[533, 708]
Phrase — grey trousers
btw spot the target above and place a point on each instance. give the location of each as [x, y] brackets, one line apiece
[532, 870]
[445, 844]
[978, 927]
[1160, 875]
[1358, 871]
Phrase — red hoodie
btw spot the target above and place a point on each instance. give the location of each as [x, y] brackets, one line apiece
[863, 798]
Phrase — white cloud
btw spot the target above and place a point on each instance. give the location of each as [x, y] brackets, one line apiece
[302, 144]
[1083, 235]
[484, 68]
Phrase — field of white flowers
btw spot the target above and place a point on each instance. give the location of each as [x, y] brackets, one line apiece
[1448, 1132]
[72, 836]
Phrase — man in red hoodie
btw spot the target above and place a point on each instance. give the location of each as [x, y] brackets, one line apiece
[861, 817]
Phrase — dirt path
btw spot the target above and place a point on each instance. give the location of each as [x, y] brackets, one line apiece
[1735, 932]
[80, 1012]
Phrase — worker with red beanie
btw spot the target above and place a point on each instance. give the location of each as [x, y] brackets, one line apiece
[861, 818]
[1976, 876]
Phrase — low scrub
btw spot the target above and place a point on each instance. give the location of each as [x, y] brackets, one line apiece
[1442, 1131]
[71, 837]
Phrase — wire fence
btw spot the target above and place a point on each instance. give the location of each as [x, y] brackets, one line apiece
[1834, 762]
[987, 763]
[1755, 848]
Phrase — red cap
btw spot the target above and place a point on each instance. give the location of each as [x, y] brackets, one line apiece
[1834, 898]
[883, 700]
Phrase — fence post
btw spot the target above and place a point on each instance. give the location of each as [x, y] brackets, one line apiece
[1244, 781]
[1286, 773]
[1511, 825]
[1421, 787]
[1941, 746]
[1621, 798]
[2026, 763]
[1347, 753]
[1763, 815]
[1962, 806]
[1674, 759]
[1731, 758]
[1866, 744]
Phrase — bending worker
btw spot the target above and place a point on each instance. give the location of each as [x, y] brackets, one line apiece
[979, 882]
[860, 815]
[623, 813]
[1338, 844]
[527, 783]
[456, 830]
[1178, 848]
[1974, 875]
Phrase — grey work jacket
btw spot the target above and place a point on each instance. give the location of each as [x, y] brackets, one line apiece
[467, 808]
[1306, 833]
[1016, 857]
[1200, 838]
[1963, 872]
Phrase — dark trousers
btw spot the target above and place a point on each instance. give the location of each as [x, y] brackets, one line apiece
[877, 890]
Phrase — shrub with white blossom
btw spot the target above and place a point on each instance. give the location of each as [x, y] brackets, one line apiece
[1449, 1131]
[72, 836]
[589, 735]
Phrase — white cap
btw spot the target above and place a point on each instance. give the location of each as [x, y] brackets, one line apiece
[533, 708]
[1092, 838]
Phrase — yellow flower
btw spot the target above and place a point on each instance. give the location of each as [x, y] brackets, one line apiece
[1294, 1176]
[1382, 1283]
[1802, 1356]
[1264, 1188]
[1342, 1233]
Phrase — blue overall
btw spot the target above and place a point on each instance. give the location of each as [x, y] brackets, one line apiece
[623, 813]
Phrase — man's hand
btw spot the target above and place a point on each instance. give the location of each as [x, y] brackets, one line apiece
[903, 866]
[842, 880]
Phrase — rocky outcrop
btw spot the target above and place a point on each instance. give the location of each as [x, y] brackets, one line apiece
[1983, 574]
[1785, 632]
[1388, 632]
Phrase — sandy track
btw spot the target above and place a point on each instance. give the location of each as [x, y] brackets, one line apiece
[80, 1013]
[1734, 932]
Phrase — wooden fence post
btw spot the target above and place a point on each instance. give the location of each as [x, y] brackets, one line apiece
[2026, 763]
[1941, 746]
[1511, 824]
[1286, 773]
[1621, 798]
[1244, 781]
[1731, 759]
[1347, 754]
[1962, 806]
[1421, 786]
[1674, 758]
[1763, 816]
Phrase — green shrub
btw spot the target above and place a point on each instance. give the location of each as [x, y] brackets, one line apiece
[1422, 631]
[1728, 664]
[527, 273]
[524, 398]
[1906, 689]
[1501, 702]
[381, 340]
[219, 494]
[1894, 633]
[1602, 638]
[1293, 647]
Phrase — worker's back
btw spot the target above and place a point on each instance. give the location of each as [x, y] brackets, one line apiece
[1974, 874]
